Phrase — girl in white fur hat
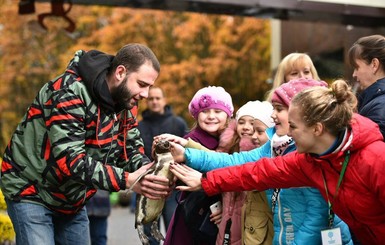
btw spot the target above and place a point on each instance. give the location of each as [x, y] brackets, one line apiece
[246, 216]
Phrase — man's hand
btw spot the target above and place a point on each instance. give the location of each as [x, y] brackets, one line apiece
[189, 176]
[151, 186]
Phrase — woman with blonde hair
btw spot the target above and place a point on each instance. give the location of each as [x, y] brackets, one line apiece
[293, 66]
[212, 108]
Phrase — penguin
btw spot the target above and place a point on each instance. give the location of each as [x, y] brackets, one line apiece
[149, 210]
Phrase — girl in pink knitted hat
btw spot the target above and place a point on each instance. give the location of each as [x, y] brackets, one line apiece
[212, 108]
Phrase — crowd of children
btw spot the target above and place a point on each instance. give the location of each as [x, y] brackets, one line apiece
[303, 205]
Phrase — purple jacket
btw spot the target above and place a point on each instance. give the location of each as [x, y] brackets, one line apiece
[178, 232]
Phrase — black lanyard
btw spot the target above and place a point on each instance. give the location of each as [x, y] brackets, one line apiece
[345, 164]
[274, 198]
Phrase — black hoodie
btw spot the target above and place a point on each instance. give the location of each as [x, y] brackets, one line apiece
[93, 68]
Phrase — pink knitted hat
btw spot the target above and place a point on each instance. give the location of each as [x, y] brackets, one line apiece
[285, 93]
[211, 97]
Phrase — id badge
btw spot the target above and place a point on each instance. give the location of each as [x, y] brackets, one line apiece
[331, 236]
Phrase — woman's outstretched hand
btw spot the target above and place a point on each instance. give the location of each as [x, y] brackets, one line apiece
[189, 176]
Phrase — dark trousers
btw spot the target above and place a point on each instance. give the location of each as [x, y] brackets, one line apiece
[98, 230]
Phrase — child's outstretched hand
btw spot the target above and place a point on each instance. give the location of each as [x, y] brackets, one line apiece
[177, 152]
[177, 149]
[189, 176]
[172, 138]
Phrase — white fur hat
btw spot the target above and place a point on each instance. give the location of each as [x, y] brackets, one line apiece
[257, 109]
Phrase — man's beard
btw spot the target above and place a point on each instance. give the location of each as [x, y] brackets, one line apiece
[122, 96]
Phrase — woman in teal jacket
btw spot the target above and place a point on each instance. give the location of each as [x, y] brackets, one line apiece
[299, 213]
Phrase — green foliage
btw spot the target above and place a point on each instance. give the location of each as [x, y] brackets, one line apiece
[195, 50]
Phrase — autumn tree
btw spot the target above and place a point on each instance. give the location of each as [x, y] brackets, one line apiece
[30, 56]
[195, 50]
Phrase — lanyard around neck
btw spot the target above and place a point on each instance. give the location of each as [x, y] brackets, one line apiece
[345, 164]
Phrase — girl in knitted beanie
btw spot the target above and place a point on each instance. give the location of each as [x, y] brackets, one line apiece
[246, 216]
[212, 109]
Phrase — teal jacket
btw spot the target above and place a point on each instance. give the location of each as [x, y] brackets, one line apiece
[72, 140]
[299, 213]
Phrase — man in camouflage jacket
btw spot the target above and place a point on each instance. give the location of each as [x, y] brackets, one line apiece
[79, 135]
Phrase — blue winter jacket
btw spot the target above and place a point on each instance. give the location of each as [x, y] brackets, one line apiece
[299, 214]
[371, 104]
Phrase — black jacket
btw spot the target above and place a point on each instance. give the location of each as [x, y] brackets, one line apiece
[372, 104]
[154, 124]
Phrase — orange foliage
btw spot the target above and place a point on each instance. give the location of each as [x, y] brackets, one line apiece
[195, 50]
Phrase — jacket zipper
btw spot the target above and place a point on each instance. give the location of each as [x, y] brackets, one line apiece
[279, 218]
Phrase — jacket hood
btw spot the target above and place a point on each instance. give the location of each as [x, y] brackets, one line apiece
[229, 140]
[228, 137]
[364, 131]
[148, 115]
[93, 68]
[270, 132]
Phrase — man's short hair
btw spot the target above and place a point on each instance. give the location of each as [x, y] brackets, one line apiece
[132, 56]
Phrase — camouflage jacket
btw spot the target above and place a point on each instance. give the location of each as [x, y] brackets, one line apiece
[68, 145]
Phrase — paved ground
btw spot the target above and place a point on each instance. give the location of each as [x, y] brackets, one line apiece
[121, 229]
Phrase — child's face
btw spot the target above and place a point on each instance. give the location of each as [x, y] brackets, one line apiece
[299, 71]
[259, 136]
[281, 119]
[245, 126]
[213, 121]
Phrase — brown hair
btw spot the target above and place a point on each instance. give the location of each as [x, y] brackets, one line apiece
[366, 49]
[333, 107]
[133, 56]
